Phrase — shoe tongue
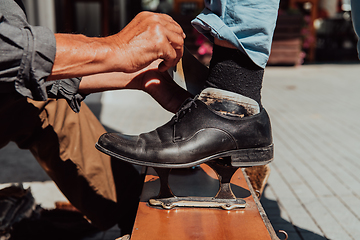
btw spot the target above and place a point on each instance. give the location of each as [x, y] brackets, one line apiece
[229, 103]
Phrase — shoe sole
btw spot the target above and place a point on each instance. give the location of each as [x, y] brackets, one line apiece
[239, 158]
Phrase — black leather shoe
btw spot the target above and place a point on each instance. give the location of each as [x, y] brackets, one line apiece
[196, 134]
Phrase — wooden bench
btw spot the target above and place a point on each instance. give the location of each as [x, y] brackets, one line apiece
[156, 223]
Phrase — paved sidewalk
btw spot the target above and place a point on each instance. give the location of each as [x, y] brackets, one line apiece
[313, 190]
[314, 187]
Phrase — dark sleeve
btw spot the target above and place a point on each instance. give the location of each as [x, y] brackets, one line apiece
[27, 55]
[67, 89]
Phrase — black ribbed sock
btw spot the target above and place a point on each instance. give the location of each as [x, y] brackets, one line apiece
[234, 71]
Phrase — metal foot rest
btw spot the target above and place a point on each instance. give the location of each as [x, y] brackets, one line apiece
[205, 203]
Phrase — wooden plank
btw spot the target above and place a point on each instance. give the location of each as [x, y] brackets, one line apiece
[200, 223]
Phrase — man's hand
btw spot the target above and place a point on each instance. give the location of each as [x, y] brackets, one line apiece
[163, 89]
[148, 37]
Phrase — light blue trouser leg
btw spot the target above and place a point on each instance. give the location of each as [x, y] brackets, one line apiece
[355, 12]
[247, 24]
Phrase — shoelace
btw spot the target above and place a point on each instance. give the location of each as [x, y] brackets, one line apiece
[185, 107]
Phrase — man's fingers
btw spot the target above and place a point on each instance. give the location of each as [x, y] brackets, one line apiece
[176, 28]
[171, 57]
[170, 20]
[172, 25]
[179, 54]
[172, 50]
[151, 36]
[176, 40]
[161, 19]
[167, 63]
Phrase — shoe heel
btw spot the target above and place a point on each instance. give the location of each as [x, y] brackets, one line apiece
[252, 156]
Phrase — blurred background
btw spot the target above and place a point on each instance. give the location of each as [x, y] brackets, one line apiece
[307, 31]
[311, 91]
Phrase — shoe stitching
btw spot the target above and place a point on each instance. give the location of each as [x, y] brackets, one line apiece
[228, 135]
[185, 108]
[231, 137]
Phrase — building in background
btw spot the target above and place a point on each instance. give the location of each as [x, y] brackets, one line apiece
[307, 31]
[80, 16]
[313, 31]
[41, 13]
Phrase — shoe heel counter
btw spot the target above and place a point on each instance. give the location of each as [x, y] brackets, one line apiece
[267, 130]
[252, 156]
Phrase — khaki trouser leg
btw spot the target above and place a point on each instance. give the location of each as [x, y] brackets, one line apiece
[63, 143]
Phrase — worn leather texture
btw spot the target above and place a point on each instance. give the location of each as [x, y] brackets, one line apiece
[194, 135]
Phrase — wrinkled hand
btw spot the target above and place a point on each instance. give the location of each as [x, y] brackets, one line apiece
[164, 90]
[148, 37]
[161, 87]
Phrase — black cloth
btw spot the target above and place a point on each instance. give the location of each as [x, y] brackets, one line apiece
[232, 70]
[27, 55]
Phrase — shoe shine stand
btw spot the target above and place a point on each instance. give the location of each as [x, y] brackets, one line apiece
[224, 198]
[213, 201]
[190, 74]
[187, 209]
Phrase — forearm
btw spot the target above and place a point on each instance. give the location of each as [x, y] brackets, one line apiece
[146, 38]
[119, 80]
[107, 82]
[78, 55]
[158, 84]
